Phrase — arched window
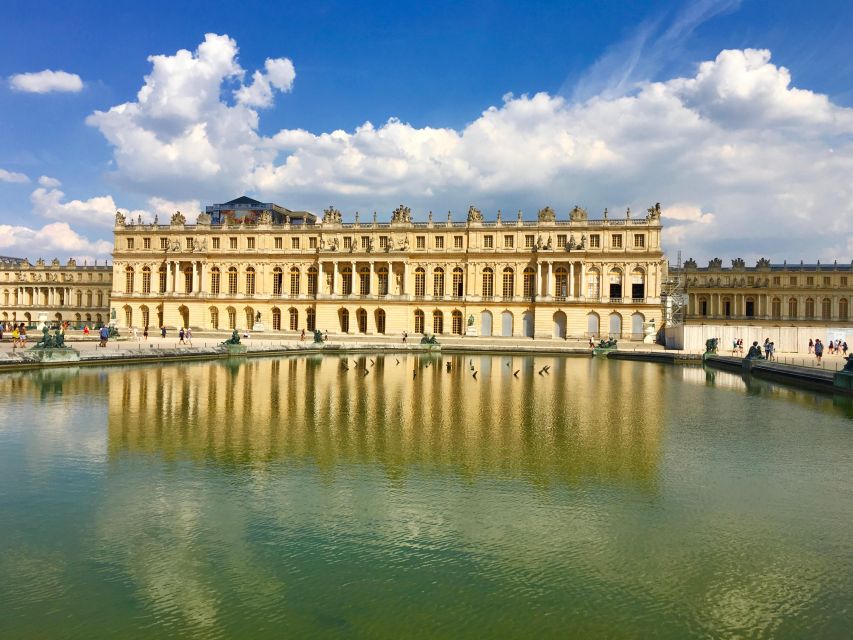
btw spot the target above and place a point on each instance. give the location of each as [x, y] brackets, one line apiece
[420, 282]
[232, 281]
[792, 308]
[382, 282]
[810, 308]
[842, 309]
[214, 318]
[593, 325]
[146, 280]
[458, 283]
[488, 283]
[276, 319]
[215, 281]
[361, 319]
[438, 282]
[312, 281]
[79, 298]
[250, 282]
[529, 283]
[638, 284]
[364, 283]
[615, 282]
[145, 316]
[826, 309]
[561, 283]
[232, 318]
[344, 317]
[456, 317]
[294, 281]
[277, 281]
[776, 308]
[188, 280]
[419, 321]
[162, 273]
[380, 321]
[593, 285]
[437, 322]
[311, 319]
[294, 319]
[128, 280]
[508, 283]
[250, 317]
[346, 281]
[128, 316]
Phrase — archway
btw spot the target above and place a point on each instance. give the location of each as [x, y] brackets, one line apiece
[486, 323]
[527, 324]
[637, 320]
[615, 325]
[560, 323]
[361, 319]
[506, 323]
[593, 326]
[343, 315]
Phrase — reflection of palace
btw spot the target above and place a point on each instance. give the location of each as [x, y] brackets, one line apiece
[70, 292]
[540, 278]
[564, 426]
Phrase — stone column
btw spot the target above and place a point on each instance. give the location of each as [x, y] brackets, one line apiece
[549, 285]
[334, 273]
[571, 280]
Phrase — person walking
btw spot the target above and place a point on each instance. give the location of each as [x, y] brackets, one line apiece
[16, 336]
[818, 350]
[181, 336]
[145, 333]
[104, 334]
[163, 331]
[405, 335]
[844, 348]
[811, 346]
[189, 336]
[302, 336]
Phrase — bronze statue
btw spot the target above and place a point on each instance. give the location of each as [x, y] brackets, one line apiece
[318, 336]
[711, 345]
[234, 339]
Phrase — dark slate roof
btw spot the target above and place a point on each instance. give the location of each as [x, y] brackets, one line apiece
[243, 200]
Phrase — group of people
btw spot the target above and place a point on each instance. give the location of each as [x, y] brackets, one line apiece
[833, 347]
[19, 334]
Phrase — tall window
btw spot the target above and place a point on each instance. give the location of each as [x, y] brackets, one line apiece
[214, 318]
[250, 281]
[146, 280]
[311, 319]
[420, 282]
[458, 283]
[215, 281]
[419, 321]
[792, 308]
[294, 281]
[100, 298]
[382, 282]
[529, 282]
[346, 281]
[842, 309]
[277, 277]
[593, 284]
[128, 280]
[380, 321]
[488, 282]
[361, 319]
[457, 322]
[810, 308]
[457, 242]
[294, 319]
[776, 308]
[508, 283]
[364, 282]
[215, 243]
[438, 282]
[826, 309]
[276, 319]
[162, 278]
[294, 243]
[79, 298]
[439, 242]
[232, 316]
[437, 321]
[232, 281]
[561, 283]
[188, 280]
[344, 321]
[312, 281]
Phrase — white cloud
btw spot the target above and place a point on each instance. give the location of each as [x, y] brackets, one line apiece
[11, 176]
[46, 81]
[56, 238]
[96, 211]
[50, 183]
[770, 160]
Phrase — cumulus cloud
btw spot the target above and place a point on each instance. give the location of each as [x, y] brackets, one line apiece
[46, 81]
[735, 138]
[56, 238]
[47, 201]
[50, 183]
[11, 176]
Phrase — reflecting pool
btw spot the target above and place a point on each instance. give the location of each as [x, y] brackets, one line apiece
[388, 497]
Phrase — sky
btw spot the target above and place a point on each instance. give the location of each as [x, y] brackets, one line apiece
[735, 115]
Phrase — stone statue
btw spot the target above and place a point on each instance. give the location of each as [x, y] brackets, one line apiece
[234, 339]
[474, 214]
[539, 242]
[258, 316]
[112, 314]
[332, 216]
[120, 219]
[318, 336]
[762, 263]
[654, 212]
[178, 218]
[196, 245]
[610, 343]
[548, 244]
[203, 219]
[55, 341]
[547, 215]
[471, 320]
[716, 263]
[690, 263]
[849, 364]
[429, 340]
[711, 345]
[266, 217]
[754, 352]
[571, 244]
[401, 214]
[738, 263]
[583, 241]
[333, 244]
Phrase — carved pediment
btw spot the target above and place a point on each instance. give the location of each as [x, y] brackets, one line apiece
[401, 214]
[178, 218]
[332, 216]
[474, 214]
[547, 215]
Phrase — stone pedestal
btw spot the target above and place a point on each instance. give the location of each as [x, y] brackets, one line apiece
[471, 331]
[235, 349]
[843, 380]
[258, 327]
[53, 355]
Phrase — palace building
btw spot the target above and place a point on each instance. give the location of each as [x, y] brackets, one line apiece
[249, 265]
[54, 292]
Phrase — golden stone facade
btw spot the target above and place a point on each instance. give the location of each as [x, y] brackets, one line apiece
[544, 278]
[769, 294]
[79, 294]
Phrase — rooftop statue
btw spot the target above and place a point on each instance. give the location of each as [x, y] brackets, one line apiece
[716, 263]
[762, 263]
[578, 214]
[332, 216]
[654, 212]
[738, 263]
[690, 263]
[178, 218]
[474, 214]
[401, 214]
[266, 217]
[547, 215]
[120, 219]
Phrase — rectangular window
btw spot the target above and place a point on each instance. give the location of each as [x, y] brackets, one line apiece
[232, 281]
[458, 242]
[365, 242]
[383, 242]
[164, 243]
[420, 242]
[810, 281]
[278, 243]
[347, 242]
[777, 280]
[312, 243]
[843, 281]
[146, 281]
[826, 281]
[146, 243]
[639, 241]
[214, 282]
[294, 243]
[439, 242]
[488, 242]
[529, 241]
[509, 242]
[617, 241]
[793, 280]
[250, 243]
[232, 243]
[750, 280]
[216, 243]
[595, 241]
[561, 240]
[188, 243]
[130, 243]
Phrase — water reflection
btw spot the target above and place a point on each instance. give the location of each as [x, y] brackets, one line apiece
[573, 420]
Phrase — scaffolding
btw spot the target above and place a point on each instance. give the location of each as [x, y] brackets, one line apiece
[673, 297]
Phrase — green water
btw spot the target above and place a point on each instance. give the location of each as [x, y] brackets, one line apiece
[296, 498]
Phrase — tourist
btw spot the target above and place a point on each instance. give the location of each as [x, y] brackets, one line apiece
[326, 336]
[591, 344]
[302, 336]
[811, 345]
[740, 345]
[16, 335]
[818, 350]
[181, 336]
[163, 331]
[189, 336]
[831, 347]
[23, 335]
[734, 347]
[104, 334]
[145, 333]
[85, 329]
[844, 348]
[405, 335]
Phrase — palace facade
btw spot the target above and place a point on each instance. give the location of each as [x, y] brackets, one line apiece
[256, 266]
[30, 293]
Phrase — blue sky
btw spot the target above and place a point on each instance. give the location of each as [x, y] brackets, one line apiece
[735, 115]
